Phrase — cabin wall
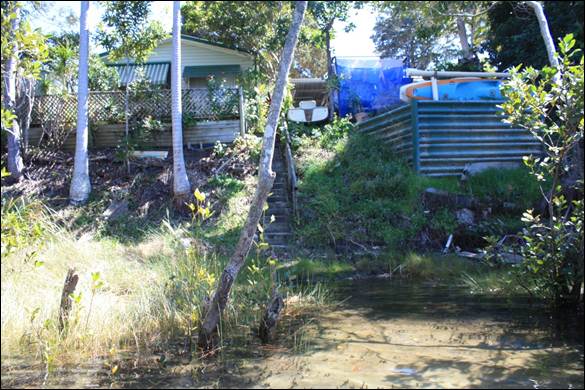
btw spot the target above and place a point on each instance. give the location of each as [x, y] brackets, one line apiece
[198, 54]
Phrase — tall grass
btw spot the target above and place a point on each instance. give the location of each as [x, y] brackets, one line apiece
[135, 296]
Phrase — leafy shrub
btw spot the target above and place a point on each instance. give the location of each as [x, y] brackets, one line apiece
[549, 103]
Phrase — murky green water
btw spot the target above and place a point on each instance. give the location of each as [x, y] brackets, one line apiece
[391, 334]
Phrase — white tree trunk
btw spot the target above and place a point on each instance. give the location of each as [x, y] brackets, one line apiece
[80, 184]
[181, 186]
[15, 164]
[463, 38]
[208, 330]
[545, 32]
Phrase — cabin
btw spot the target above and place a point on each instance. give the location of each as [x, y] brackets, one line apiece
[200, 60]
[209, 114]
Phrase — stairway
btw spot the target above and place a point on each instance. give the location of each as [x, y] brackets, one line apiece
[279, 233]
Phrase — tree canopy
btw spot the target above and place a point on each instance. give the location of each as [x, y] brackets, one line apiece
[228, 22]
[513, 35]
[432, 32]
[126, 31]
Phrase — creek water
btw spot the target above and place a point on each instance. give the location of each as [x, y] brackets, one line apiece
[391, 334]
[387, 334]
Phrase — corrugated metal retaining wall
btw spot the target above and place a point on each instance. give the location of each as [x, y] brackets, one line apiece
[394, 128]
[104, 136]
[448, 135]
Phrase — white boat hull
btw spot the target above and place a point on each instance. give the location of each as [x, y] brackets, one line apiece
[310, 115]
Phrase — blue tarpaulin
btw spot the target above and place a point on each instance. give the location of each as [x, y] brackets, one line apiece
[368, 84]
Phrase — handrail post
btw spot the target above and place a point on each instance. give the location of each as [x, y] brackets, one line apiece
[290, 164]
[242, 112]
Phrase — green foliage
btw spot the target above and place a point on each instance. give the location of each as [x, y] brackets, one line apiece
[514, 186]
[126, 32]
[513, 35]
[228, 23]
[62, 65]
[223, 101]
[357, 190]
[426, 33]
[308, 269]
[550, 104]
[26, 45]
[147, 130]
[329, 134]
[7, 118]
[102, 77]
[23, 227]
[358, 193]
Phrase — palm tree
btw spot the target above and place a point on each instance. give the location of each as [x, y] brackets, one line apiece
[181, 186]
[80, 185]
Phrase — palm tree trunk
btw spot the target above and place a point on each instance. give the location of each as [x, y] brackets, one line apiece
[15, 164]
[208, 330]
[80, 184]
[181, 186]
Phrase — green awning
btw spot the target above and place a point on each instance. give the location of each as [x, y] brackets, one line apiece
[207, 70]
[157, 72]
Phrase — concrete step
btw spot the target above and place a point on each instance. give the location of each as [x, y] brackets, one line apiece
[277, 204]
[278, 218]
[277, 199]
[280, 186]
[278, 212]
[277, 238]
[278, 192]
[278, 227]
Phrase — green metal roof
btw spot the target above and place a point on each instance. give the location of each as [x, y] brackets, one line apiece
[204, 71]
[204, 41]
[156, 72]
[218, 44]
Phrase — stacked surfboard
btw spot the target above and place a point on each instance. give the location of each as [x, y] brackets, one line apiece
[462, 88]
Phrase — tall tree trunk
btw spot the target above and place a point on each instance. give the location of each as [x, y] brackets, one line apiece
[15, 164]
[181, 186]
[464, 39]
[29, 96]
[545, 32]
[208, 330]
[80, 184]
